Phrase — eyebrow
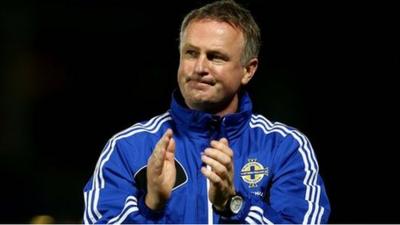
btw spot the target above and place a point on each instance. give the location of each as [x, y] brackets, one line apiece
[211, 51]
[190, 46]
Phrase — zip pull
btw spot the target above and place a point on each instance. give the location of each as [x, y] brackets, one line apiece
[223, 120]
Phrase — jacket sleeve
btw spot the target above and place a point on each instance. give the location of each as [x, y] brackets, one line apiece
[296, 193]
[112, 196]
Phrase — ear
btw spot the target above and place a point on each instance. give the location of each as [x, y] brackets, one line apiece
[249, 70]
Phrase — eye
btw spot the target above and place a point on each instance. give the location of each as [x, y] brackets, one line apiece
[191, 53]
[218, 58]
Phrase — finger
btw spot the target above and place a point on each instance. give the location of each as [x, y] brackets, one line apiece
[170, 153]
[220, 156]
[159, 152]
[213, 177]
[216, 166]
[223, 146]
[167, 135]
[224, 141]
[171, 145]
[162, 144]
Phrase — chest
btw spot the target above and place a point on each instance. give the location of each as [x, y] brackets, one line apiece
[253, 160]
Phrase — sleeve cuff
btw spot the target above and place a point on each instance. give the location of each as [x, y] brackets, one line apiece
[150, 213]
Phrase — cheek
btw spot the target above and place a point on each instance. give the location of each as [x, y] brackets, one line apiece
[184, 66]
[181, 72]
[232, 81]
[181, 77]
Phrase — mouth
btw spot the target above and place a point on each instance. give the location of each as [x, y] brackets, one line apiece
[200, 84]
[208, 82]
[204, 80]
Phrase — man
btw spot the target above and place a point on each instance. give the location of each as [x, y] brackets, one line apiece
[209, 159]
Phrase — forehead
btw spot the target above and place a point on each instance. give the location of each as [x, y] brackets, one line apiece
[213, 34]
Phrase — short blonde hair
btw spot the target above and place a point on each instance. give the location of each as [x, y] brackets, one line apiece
[230, 12]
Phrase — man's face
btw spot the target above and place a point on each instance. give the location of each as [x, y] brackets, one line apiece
[210, 71]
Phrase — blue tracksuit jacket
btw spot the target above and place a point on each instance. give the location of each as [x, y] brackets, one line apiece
[275, 169]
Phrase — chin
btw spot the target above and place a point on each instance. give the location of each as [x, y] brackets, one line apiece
[196, 103]
[202, 99]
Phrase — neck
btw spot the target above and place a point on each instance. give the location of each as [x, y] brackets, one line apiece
[230, 108]
[220, 109]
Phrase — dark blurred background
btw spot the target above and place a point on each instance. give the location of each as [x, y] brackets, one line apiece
[73, 73]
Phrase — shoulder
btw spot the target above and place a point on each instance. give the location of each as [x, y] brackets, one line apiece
[152, 128]
[288, 141]
[279, 130]
[269, 127]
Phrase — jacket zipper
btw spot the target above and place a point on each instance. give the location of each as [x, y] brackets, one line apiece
[214, 130]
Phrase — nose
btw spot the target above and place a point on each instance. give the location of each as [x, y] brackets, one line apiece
[201, 65]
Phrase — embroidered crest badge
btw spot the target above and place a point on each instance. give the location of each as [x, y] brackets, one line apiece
[253, 172]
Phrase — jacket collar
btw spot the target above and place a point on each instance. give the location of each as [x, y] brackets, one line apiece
[202, 124]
